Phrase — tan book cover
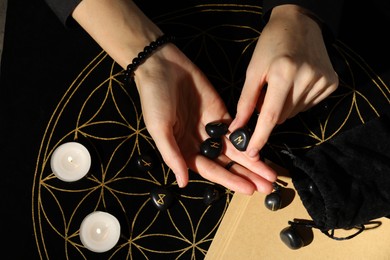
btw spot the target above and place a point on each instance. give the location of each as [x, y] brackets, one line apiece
[251, 231]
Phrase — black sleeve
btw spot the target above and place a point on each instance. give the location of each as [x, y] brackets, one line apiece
[63, 9]
[328, 12]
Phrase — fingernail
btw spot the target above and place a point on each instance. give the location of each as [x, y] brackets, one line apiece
[179, 181]
[253, 152]
[232, 124]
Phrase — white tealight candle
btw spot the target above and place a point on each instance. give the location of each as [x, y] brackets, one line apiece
[70, 161]
[99, 231]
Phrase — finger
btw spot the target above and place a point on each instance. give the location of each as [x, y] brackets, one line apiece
[213, 171]
[302, 88]
[319, 89]
[316, 100]
[260, 100]
[258, 167]
[247, 101]
[262, 185]
[318, 92]
[270, 112]
[171, 154]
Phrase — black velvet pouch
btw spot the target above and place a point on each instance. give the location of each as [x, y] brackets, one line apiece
[345, 182]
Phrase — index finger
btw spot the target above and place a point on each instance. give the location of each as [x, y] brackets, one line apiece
[270, 112]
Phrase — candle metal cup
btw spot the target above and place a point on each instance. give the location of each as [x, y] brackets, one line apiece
[70, 161]
[100, 231]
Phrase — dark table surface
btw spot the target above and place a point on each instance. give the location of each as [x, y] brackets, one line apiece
[57, 86]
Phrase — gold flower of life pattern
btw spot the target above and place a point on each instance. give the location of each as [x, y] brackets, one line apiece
[98, 111]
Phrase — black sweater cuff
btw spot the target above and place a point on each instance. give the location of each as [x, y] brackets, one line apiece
[64, 9]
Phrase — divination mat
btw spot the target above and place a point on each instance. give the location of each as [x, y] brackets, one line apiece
[58, 86]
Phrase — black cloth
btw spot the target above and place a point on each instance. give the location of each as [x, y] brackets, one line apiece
[63, 9]
[51, 75]
[345, 182]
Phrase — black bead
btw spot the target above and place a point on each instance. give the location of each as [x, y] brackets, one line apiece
[126, 76]
[148, 50]
[211, 147]
[211, 195]
[273, 201]
[291, 238]
[162, 198]
[153, 45]
[240, 138]
[142, 55]
[144, 162]
[160, 41]
[136, 61]
[216, 129]
[130, 67]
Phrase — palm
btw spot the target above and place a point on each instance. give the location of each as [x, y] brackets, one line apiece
[194, 111]
[178, 101]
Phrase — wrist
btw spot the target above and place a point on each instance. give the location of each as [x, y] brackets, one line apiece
[297, 18]
[119, 27]
[143, 55]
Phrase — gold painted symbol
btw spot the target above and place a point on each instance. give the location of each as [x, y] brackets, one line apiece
[238, 140]
[147, 164]
[161, 199]
[214, 145]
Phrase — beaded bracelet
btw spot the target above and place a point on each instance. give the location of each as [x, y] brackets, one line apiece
[143, 55]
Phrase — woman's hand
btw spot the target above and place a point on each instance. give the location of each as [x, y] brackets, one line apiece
[177, 102]
[290, 71]
[176, 98]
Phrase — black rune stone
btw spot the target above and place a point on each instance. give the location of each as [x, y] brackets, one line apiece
[216, 129]
[291, 238]
[161, 198]
[240, 138]
[211, 194]
[273, 201]
[211, 147]
[144, 162]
